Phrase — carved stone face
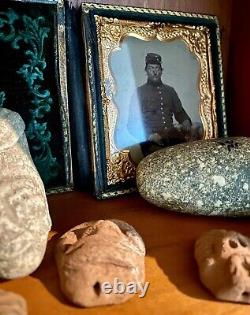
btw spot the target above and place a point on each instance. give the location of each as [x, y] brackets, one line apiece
[223, 258]
[24, 216]
[96, 252]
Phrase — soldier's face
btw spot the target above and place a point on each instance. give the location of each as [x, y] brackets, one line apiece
[154, 72]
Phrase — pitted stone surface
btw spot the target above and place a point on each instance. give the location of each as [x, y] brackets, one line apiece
[207, 177]
[223, 258]
[12, 303]
[24, 216]
[96, 252]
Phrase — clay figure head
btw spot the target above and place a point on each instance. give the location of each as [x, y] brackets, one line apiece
[224, 263]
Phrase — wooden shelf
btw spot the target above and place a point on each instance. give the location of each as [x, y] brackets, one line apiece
[170, 266]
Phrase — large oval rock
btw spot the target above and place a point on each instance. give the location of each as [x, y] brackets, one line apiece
[207, 177]
[24, 215]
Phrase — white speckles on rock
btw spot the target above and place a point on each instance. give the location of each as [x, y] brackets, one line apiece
[246, 187]
[218, 203]
[166, 195]
[201, 164]
[199, 203]
[211, 178]
[220, 180]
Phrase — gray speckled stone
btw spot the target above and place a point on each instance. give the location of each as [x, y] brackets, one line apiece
[208, 177]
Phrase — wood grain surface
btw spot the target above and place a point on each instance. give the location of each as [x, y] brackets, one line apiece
[175, 288]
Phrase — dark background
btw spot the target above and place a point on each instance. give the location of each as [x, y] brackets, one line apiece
[17, 94]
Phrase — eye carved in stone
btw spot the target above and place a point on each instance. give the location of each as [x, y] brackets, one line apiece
[242, 242]
[237, 243]
[233, 244]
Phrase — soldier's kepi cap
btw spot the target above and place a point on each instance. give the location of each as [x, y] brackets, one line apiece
[153, 59]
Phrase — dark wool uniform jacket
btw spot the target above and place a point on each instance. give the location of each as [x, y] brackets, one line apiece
[155, 105]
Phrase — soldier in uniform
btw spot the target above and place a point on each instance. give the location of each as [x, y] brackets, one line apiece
[155, 104]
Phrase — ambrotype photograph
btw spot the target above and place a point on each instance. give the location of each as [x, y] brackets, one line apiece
[154, 80]
[157, 95]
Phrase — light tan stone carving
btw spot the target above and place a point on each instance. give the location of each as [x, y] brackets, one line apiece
[223, 258]
[12, 304]
[96, 252]
[24, 216]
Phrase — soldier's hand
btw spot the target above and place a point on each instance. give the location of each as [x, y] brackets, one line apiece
[186, 126]
[156, 138]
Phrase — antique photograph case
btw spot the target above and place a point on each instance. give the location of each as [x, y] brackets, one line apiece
[33, 82]
[154, 79]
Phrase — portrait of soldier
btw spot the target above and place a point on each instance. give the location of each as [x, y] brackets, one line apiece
[156, 104]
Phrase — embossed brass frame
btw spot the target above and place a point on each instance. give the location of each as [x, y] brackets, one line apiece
[111, 25]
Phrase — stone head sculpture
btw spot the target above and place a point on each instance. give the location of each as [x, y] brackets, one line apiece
[223, 258]
[96, 252]
[24, 216]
